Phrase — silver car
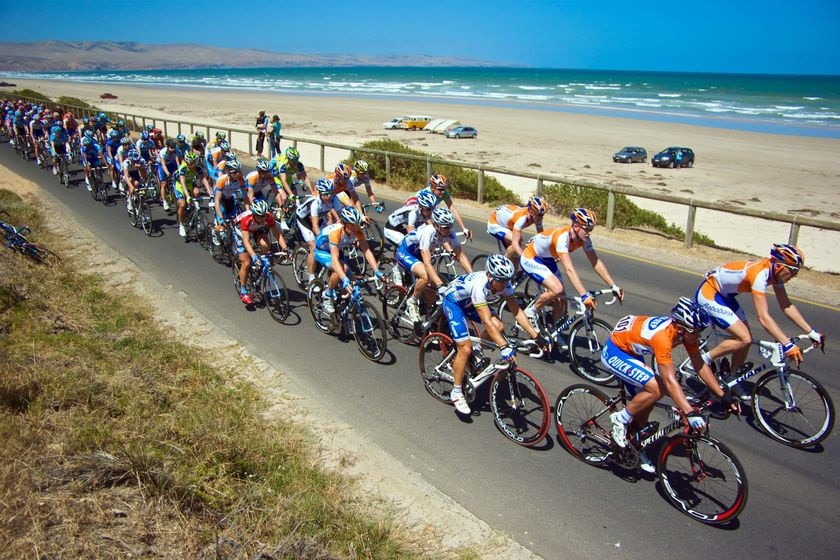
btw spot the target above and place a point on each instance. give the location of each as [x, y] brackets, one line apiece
[630, 154]
[461, 132]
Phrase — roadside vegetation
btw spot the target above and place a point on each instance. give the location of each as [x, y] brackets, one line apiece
[121, 441]
[562, 197]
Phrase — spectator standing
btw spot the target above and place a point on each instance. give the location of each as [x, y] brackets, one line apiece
[274, 139]
[262, 127]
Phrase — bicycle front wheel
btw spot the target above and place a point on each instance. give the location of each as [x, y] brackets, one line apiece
[436, 354]
[374, 238]
[585, 345]
[315, 299]
[520, 406]
[797, 412]
[146, 217]
[369, 331]
[41, 254]
[702, 478]
[300, 268]
[276, 295]
[396, 319]
[582, 417]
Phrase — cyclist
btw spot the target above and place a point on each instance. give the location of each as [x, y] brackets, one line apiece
[111, 147]
[635, 336]
[437, 186]
[71, 125]
[409, 217]
[253, 225]
[414, 254]
[91, 157]
[717, 296]
[259, 181]
[539, 262]
[58, 145]
[507, 221]
[122, 151]
[216, 158]
[37, 131]
[329, 244]
[181, 148]
[313, 213]
[290, 164]
[146, 146]
[362, 177]
[122, 128]
[101, 125]
[198, 142]
[230, 189]
[167, 166]
[344, 190]
[157, 137]
[87, 125]
[134, 174]
[191, 176]
[208, 153]
[468, 298]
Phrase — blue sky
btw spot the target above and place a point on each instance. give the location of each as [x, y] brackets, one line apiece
[772, 36]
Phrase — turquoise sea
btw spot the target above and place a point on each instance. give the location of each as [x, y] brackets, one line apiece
[800, 105]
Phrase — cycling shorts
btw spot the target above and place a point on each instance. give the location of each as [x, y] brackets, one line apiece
[38, 133]
[229, 208]
[394, 234]
[305, 230]
[405, 258]
[239, 245]
[59, 149]
[498, 231]
[93, 161]
[723, 310]
[539, 268]
[458, 319]
[172, 167]
[630, 369]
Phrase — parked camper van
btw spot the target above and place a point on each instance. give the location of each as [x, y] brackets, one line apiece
[417, 122]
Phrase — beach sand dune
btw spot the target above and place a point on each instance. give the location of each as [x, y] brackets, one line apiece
[779, 173]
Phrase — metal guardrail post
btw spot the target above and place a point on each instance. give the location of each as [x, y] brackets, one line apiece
[539, 190]
[689, 225]
[144, 123]
[323, 150]
[165, 129]
[611, 210]
[793, 236]
[428, 168]
[480, 186]
[388, 169]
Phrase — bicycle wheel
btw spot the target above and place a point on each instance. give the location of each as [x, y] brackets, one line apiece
[146, 217]
[702, 478]
[65, 172]
[436, 354]
[201, 228]
[41, 254]
[235, 265]
[513, 330]
[582, 417]
[479, 262]
[275, 295]
[134, 212]
[445, 266]
[400, 327]
[216, 248]
[520, 406]
[315, 296]
[300, 269]
[798, 413]
[355, 260]
[369, 331]
[373, 233]
[585, 345]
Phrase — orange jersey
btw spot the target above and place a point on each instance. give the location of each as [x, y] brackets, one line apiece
[738, 277]
[511, 217]
[551, 243]
[340, 187]
[640, 335]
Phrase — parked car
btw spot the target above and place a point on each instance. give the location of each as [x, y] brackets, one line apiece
[461, 132]
[630, 154]
[398, 122]
[670, 157]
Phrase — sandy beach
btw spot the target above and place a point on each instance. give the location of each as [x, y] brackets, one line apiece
[779, 173]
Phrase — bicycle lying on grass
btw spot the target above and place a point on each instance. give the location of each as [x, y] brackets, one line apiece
[15, 239]
[699, 475]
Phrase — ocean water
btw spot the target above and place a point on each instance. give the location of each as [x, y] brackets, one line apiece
[802, 105]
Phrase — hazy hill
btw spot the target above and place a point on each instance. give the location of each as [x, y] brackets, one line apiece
[106, 55]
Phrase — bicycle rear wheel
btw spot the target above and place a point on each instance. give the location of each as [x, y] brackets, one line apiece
[582, 417]
[374, 237]
[520, 406]
[315, 299]
[300, 269]
[804, 425]
[702, 478]
[369, 331]
[400, 327]
[585, 345]
[41, 254]
[275, 295]
[436, 354]
[133, 212]
[445, 266]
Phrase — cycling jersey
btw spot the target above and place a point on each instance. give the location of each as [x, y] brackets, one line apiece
[407, 215]
[509, 217]
[463, 296]
[341, 186]
[314, 207]
[552, 243]
[37, 128]
[254, 181]
[426, 238]
[145, 148]
[246, 221]
[91, 154]
[445, 197]
[355, 181]
[229, 187]
[192, 178]
[334, 235]
[718, 291]
[166, 157]
[59, 137]
[134, 168]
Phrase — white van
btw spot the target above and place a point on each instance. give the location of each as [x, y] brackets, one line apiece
[396, 123]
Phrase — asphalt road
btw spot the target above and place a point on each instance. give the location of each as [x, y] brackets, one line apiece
[544, 498]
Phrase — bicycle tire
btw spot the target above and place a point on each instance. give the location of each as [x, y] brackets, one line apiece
[806, 425]
[513, 330]
[217, 251]
[314, 298]
[436, 354]
[443, 265]
[65, 173]
[355, 260]
[94, 189]
[479, 262]
[585, 351]
[300, 270]
[393, 309]
[520, 406]
[235, 265]
[369, 331]
[702, 478]
[373, 233]
[133, 214]
[41, 254]
[201, 228]
[146, 217]
[583, 424]
[275, 295]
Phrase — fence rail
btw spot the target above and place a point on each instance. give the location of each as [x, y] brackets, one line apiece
[173, 127]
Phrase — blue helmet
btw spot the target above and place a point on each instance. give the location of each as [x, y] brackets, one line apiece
[325, 186]
[427, 199]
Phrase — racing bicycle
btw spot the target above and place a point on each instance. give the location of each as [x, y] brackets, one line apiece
[15, 239]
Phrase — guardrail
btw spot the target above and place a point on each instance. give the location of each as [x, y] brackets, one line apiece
[174, 127]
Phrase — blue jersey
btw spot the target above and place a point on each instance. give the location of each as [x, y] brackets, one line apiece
[92, 152]
[59, 137]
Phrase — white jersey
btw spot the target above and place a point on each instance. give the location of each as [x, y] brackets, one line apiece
[408, 215]
[314, 207]
[474, 290]
[426, 238]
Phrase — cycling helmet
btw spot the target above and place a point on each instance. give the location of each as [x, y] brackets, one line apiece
[361, 166]
[55, 129]
[181, 138]
[443, 217]
[191, 157]
[274, 167]
[787, 255]
[438, 181]
[144, 135]
[88, 134]
[427, 199]
[87, 141]
[101, 116]
[262, 165]
[343, 171]
[230, 156]
[350, 215]
[583, 217]
[221, 135]
[259, 208]
[325, 186]
[500, 267]
[233, 165]
[120, 122]
[85, 120]
[199, 134]
[225, 146]
[690, 315]
[134, 155]
[125, 140]
[149, 127]
[292, 153]
[538, 205]
[170, 143]
[113, 133]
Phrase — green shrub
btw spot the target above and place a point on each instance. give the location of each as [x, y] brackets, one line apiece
[31, 93]
[76, 102]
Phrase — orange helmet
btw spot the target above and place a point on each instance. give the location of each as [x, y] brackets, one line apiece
[787, 255]
[584, 217]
